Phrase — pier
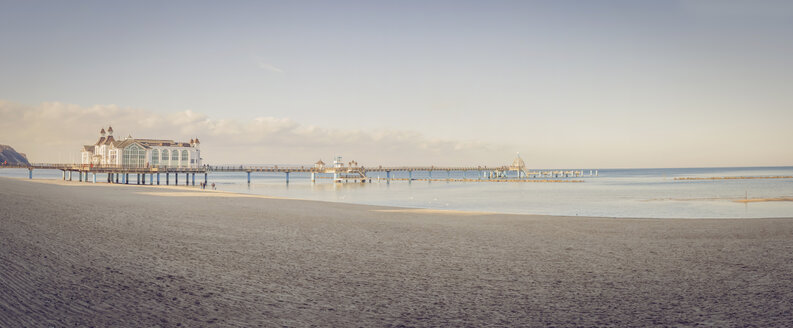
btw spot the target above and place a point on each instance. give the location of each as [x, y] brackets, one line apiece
[339, 173]
[119, 174]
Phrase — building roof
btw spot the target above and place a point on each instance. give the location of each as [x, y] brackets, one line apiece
[108, 139]
[159, 142]
[127, 142]
[88, 148]
[320, 162]
[148, 143]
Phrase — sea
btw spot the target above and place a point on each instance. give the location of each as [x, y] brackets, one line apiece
[616, 193]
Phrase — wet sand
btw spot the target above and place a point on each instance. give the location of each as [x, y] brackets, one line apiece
[128, 256]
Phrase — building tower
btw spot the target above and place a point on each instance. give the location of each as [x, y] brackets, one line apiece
[519, 166]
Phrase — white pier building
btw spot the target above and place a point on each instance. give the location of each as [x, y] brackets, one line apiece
[132, 152]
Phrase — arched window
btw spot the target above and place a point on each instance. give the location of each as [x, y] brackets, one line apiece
[165, 157]
[141, 157]
[155, 157]
[183, 161]
[174, 157]
[125, 157]
[134, 156]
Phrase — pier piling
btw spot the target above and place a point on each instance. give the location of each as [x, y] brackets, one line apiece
[341, 173]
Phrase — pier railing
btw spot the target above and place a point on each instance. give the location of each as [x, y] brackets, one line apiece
[339, 172]
[102, 168]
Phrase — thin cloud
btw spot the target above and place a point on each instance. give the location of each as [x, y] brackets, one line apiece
[271, 68]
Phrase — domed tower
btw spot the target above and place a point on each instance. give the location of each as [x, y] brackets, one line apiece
[519, 166]
[101, 137]
[109, 140]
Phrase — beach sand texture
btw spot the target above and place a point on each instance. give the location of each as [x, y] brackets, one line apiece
[121, 256]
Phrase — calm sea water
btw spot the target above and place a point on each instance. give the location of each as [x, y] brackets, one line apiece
[643, 193]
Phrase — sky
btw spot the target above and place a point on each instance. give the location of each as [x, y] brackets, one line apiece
[568, 84]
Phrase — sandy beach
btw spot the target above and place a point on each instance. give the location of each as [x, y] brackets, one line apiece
[78, 254]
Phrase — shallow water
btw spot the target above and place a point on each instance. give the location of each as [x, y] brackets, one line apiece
[644, 193]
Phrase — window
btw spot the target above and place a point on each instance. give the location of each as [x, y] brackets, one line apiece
[125, 157]
[174, 157]
[165, 159]
[183, 162]
[141, 157]
[133, 156]
[155, 157]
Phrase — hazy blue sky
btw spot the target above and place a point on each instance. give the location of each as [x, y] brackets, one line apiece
[566, 83]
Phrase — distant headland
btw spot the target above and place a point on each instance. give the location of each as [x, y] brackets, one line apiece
[10, 156]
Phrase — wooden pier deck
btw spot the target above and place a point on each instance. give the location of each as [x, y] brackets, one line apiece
[121, 174]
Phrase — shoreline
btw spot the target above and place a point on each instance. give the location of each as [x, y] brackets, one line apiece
[198, 192]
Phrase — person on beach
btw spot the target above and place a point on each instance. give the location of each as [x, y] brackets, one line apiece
[213, 186]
